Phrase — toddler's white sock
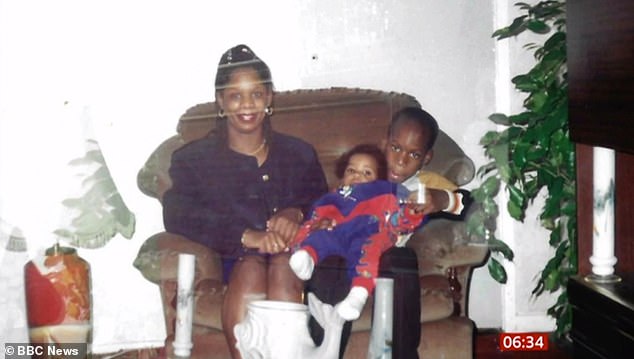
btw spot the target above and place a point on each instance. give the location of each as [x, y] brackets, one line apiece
[350, 308]
[302, 264]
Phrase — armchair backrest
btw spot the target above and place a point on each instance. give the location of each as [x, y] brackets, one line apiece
[332, 120]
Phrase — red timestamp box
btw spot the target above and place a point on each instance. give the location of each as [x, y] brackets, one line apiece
[523, 342]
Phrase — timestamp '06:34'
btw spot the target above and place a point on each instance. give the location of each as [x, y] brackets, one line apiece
[523, 341]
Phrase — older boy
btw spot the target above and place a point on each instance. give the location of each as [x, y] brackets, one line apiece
[410, 138]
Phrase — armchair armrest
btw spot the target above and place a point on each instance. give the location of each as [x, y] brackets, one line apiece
[443, 243]
[450, 161]
[157, 259]
[153, 178]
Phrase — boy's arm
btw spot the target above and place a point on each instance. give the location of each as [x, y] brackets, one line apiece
[454, 202]
[458, 203]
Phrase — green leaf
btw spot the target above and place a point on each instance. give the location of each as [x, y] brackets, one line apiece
[500, 153]
[517, 196]
[489, 138]
[518, 25]
[500, 119]
[491, 186]
[525, 83]
[536, 100]
[520, 155]
[556, 40]
[475, 225]
[521, 119]
[497, 271]
[490, 207]
[497, 245]
[551, 283]
[523, 5]
[515, 211]
[538, 27]
[555, 236]
[485, 169]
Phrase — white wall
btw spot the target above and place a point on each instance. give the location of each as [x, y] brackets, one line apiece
[137, 65]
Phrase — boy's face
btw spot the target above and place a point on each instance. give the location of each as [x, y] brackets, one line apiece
[361, 168]
[406, 151]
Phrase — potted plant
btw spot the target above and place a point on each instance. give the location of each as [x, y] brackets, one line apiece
[532, 152]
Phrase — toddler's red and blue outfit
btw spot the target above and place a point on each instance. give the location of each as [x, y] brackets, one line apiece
[369, 218]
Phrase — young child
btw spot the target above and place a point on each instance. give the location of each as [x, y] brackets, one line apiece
[359, 220]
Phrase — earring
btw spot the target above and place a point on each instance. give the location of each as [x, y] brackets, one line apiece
[221, 113]
[268, 110]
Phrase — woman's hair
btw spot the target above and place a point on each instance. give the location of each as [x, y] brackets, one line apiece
[239, 57]
[363, 149]
[419, 116]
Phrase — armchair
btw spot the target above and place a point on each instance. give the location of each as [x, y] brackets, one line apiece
[332, 120]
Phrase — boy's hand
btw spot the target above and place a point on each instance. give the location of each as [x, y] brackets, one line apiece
[435, 201]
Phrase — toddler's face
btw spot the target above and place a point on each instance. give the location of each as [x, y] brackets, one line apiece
[361, 168]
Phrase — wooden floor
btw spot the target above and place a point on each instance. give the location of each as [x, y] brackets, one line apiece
[486, 346]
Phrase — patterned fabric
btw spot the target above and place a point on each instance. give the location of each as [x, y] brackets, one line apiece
[369, 218]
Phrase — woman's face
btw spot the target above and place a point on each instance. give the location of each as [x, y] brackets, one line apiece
[361, 168]
[244, 99]
[406, 151]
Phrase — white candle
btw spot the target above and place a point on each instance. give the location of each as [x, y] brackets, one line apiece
[381, 332]
[603, 259]
[185, 305]
[421, 193]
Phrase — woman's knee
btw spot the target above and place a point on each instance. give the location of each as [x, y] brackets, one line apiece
[249, 271]
[279, 267]
[282, 280]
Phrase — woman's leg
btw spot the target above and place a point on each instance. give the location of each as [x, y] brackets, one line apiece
[401, 264]
[248, 279]
[283, 284]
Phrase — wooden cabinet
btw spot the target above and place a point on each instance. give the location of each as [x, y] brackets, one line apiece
[601, 112]
[600, 46]
[603, 316]
[600, 41]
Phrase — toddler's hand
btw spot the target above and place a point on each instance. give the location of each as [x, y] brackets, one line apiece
[324, 223]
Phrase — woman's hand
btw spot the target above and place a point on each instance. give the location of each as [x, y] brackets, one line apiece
[265, 241]
[285, 223]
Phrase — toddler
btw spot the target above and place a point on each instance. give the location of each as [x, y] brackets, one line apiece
[359, 221]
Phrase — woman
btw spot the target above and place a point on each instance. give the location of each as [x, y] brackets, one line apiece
[243, 190]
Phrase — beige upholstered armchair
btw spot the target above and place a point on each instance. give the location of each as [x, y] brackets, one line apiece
[332, 120]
